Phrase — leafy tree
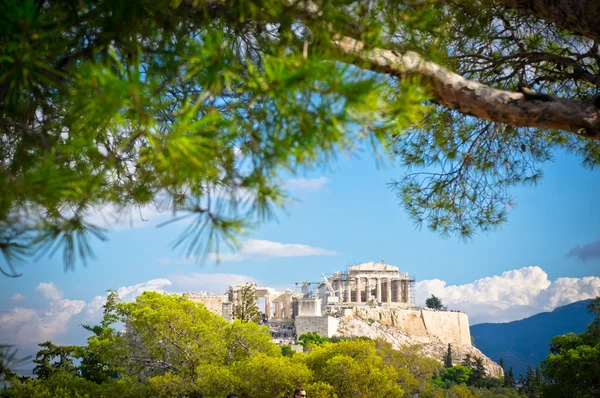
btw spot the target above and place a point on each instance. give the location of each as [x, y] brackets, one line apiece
[245, 307]
[530, 384]
[460, 391]
[509, 379]
[263, 376]
[353, 369]
[287, 351]
[52, 359]
[434, 302]
[571, 367]
[415, 371]
[308, 339]
[455, 375]
[478, 372]
[181, 347]
[467, 361]
[67, 385]
[198, 106]
[499, 392]
[448, 357]
[94, 365]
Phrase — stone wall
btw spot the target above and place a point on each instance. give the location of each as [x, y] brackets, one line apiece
[422, 325]
[308, 307]
[322, 325]
[213, 302]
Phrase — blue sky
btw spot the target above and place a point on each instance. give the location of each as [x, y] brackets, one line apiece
[343, 215]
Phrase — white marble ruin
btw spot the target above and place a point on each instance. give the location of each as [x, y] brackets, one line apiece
[371, 282]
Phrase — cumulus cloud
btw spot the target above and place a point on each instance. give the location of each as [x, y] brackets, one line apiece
[18, 297]
[515, 294]
[26, 326]
[258, 248]
[113, 218]
[216, 283]
[307, 184]
[29, 326]
[590, 251]
[49, 290]
[277, 249]
[126, 293]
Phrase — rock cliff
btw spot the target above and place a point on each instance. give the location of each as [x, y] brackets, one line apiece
[402, 327]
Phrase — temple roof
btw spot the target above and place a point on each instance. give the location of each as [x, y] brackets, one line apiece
[371, 266]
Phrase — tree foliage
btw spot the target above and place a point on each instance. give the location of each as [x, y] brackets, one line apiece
[196, 108]
[53, 359]
[246, 306]
[448, 357]
[10, 361]
[571, 368]
[434, 302]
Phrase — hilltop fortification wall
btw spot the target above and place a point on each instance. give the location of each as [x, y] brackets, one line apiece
[423, 325]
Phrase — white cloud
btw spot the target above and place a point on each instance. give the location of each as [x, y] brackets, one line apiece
[307, 184]
[215, 283]
[112, 218]
[49, 290]
[126, 293]
[25, 326]
[18, 297]
[258, 248]
[276, 249]
[513, 295]
[28, 326]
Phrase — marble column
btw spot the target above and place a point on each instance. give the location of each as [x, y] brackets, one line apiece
[368, 291]
[358, 288]
[268, 307]
[348, 292]
[378, 293]
[407, 291]
[399, 291]
[389, 290]
[277, 311]
[288, 306]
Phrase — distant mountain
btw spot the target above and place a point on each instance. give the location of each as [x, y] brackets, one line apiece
[527, 341]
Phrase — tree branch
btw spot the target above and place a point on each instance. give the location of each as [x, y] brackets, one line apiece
[579, 16]
[453, 91]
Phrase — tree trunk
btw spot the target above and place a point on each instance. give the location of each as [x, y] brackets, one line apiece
[475, 99]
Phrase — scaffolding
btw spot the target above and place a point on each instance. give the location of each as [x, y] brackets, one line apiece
[411, 290]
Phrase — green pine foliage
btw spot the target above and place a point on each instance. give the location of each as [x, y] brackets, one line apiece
[193, 109]
[434, 302]
[197, 109]
[448, 357]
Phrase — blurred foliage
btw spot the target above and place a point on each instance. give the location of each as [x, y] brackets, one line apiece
[197, 108]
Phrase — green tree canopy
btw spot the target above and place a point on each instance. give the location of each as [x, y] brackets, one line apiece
[448, 357]
[197, 107]
[571, 368]
[246, 307]
[434, 302]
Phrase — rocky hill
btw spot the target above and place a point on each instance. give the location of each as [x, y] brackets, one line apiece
[433, 346]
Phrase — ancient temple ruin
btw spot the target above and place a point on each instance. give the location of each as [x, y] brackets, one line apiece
[310, 310]
[375, 295]
[371, 283]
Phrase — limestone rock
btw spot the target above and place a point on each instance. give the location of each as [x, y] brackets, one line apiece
[432, 347]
